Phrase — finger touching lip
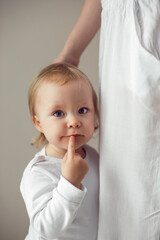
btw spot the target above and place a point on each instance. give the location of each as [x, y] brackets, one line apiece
[75, 135]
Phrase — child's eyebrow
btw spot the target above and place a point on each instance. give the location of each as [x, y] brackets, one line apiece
[62, 105]
[84, 103]
[55, 106]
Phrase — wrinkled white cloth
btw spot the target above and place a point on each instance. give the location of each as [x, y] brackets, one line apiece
[57, 209]
[130, 120]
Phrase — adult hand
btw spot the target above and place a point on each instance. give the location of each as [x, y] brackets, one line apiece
[67, 59]
[74, 167]
[82, 33]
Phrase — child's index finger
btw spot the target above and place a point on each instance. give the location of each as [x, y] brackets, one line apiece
[71, 146]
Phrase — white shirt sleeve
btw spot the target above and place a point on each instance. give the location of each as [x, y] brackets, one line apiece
[51, 207]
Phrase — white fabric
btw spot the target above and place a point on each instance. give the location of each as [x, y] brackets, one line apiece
[57, 209]
[130, 120]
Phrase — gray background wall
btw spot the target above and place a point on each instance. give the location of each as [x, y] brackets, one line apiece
[32, 34]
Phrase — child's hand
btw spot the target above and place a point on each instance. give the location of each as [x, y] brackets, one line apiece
[74, 167]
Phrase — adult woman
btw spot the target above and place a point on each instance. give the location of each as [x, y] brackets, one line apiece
[130, 114]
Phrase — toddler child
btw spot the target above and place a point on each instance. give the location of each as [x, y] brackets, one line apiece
[60, 184]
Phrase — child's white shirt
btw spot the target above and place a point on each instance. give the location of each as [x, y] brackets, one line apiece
[57, 209]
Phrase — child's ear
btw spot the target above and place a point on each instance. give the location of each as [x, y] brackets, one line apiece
[37, 123]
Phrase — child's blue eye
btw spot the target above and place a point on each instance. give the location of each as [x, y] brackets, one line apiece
[58, 113]
[83, 110]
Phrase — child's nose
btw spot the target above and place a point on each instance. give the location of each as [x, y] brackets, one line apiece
[73, 122]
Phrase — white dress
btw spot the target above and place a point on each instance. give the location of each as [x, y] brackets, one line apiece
[130, 120]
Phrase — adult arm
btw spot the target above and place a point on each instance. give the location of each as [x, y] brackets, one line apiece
[82, 33]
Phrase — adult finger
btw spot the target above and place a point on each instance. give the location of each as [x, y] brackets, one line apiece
[71, 146]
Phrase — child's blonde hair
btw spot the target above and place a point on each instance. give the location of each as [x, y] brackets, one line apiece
[59, 73]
